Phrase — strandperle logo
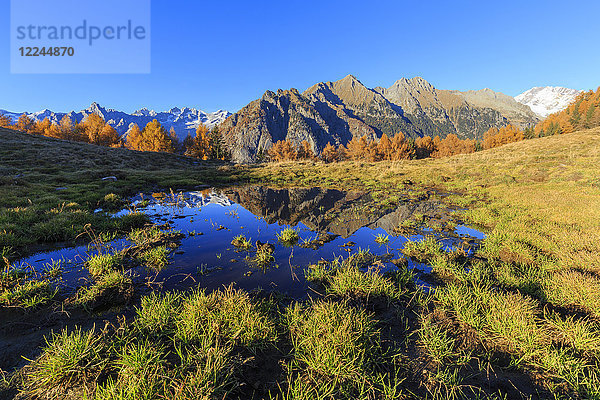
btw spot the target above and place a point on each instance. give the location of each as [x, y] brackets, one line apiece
[85, 32]
[80, 36]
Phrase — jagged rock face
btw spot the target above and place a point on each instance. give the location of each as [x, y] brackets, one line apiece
[289, 115]
[335, 112]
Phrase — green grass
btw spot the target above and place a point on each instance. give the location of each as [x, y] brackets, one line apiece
[155, 258]
[337, 354]
[423, 250]
[241, 242]
[141, 236]
[229, 314]
[141, 367]
[69, 361]
[112, 202]
[101, 264]
[33, 211]
[178, 346]
[288, 237]
[157, 313]
[527, 306]
[332, 340]
[110, 289]
[263, 258]
[382, 239]
[28, 294]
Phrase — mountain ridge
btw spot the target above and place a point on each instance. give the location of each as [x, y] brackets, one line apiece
[184, 120]
[335, 112]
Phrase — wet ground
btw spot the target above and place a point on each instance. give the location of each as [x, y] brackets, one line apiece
[330, 223]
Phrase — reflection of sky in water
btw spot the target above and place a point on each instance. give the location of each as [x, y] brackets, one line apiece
[209, 259]
[466, 231]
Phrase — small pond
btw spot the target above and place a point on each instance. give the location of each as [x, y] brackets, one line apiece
[345, 221]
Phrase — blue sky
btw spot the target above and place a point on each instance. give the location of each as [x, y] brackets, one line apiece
[221, 55]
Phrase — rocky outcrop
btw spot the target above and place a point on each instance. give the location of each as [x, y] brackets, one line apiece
[335, 112]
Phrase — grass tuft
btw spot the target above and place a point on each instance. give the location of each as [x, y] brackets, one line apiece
[69, 360]
[288, 237]
[155, 258]
[101, 264]
[241, 242]
[111, 289]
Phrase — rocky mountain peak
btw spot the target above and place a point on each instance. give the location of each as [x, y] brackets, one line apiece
[349, 80]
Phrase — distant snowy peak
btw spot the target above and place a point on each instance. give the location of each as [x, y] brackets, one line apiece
[548, 99]
[184, 120]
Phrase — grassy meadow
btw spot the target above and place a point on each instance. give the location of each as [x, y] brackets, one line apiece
[519, 319]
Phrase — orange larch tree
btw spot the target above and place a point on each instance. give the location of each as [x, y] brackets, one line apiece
[25, 123]
[330, 154]
[305, 152]
[282, 150]
[424, 146]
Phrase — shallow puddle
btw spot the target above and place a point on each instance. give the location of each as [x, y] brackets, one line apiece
[346, 222]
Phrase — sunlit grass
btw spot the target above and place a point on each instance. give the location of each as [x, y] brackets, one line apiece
[288, 237]
[241, 242]
[155, 258]
[382, 239]
[110, 289]
[69, 360]
[229, 314]
[28, 294]
[263, 257]
[100, 264]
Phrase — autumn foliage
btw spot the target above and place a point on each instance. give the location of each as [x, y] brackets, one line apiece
[497, 137]
[330, 154]
[396, 148]
[207, 145]
[285, 150]
[93, 129]
[583, 113]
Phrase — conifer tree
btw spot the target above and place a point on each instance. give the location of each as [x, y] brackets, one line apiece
[218, 150]
[424, 146]
[25, 123]
[109, 137]
[401, 148]
[92, 126]
[67, 129]
[42, 127]
[175, 140]
[152, 138]
[5, 121]
[330, 154]
[282, 150]
[187, 143]
[199, 146]
[357, 149]
[305, 152]
[384, 148]
[134, 139]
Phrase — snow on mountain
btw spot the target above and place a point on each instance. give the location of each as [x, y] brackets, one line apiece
[183, 120]
[547, 100]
